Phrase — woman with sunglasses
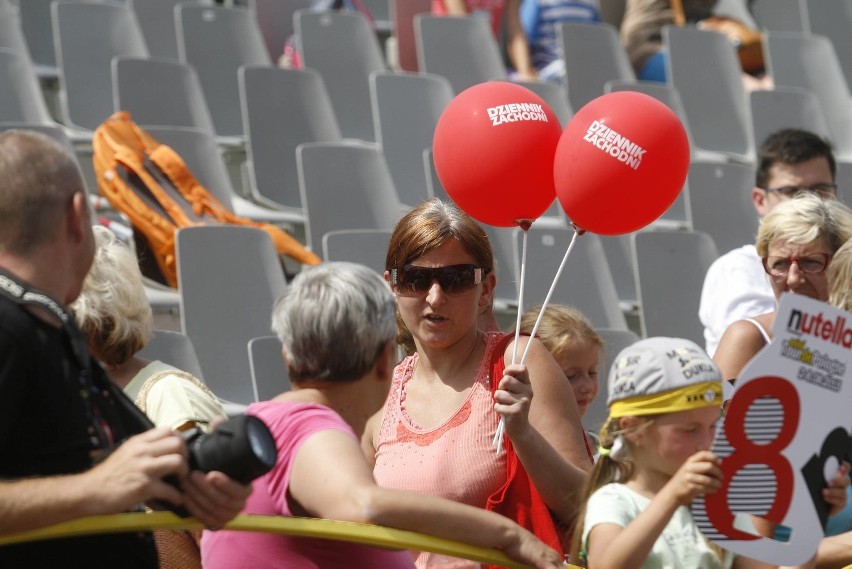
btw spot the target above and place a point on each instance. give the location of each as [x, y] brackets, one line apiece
[796, 242]
[435, 432]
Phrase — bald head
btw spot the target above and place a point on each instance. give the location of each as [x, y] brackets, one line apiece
[38, 178]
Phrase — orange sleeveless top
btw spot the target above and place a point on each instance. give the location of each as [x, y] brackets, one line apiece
[454, 460]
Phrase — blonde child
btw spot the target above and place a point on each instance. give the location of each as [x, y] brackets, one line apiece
[572, 341]
[665, 398]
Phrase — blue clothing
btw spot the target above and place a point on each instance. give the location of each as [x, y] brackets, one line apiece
[541, 18]
[654, 68]
[837, 524]
[842, 522]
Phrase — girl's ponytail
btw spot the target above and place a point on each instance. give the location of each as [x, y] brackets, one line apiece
[607, 469]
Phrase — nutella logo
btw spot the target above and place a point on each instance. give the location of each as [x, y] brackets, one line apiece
[835, 331]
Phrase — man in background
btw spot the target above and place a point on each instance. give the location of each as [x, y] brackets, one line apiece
[736, 286]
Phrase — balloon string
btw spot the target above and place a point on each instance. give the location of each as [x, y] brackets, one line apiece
[549, 294]
[520, 295]
[501, 426]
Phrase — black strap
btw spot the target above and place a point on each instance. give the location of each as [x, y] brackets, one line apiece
[21, 294]
[92, 378]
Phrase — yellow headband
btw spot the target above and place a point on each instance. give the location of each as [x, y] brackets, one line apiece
[693, 396]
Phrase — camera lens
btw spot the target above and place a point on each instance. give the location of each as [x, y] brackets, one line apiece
[261, 442]
[242, 447]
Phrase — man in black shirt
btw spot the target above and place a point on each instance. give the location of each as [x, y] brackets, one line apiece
[58, 415]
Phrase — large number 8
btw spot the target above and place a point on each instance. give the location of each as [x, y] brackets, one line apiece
[747, 452]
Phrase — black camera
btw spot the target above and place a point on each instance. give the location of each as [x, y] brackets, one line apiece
[242, 447]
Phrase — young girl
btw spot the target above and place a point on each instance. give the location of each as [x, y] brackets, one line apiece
[572, 341]
[665, 398]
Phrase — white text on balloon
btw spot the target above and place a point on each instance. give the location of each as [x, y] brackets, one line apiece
[616, 145]
[515, 112]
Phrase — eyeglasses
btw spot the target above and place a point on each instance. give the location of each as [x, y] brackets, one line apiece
[810, 265]
[454, 279]
[824, 190]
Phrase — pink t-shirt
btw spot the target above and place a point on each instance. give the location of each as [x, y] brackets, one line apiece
[291, 425]
[493, 9]
[454, 460]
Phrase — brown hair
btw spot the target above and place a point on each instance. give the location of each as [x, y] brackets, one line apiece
[425, 228]
[791, 146]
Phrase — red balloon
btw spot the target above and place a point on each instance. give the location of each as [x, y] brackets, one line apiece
[620, 163]
[493, 147]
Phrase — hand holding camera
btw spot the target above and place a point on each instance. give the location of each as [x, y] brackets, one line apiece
[241, 448]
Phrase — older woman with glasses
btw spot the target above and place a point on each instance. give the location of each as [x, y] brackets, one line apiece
[435, 432]
[796, 242]
[790, 161]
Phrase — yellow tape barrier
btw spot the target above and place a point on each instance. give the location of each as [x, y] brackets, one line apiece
[366, 534]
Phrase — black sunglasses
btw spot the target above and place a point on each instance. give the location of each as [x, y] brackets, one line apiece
[454, 279]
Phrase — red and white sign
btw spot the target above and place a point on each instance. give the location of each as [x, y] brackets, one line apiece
[785, 430]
